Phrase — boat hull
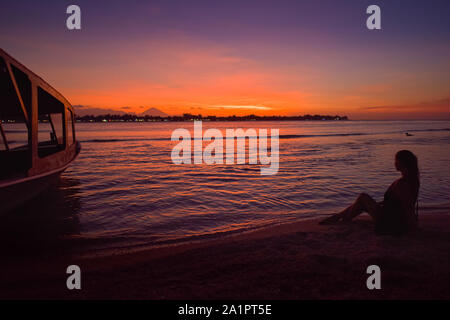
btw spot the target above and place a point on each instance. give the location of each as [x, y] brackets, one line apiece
[15, 195]
[17, 192]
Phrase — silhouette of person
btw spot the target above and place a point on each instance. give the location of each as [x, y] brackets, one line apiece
[396, 214]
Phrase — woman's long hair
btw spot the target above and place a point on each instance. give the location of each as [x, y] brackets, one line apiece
[410, 164]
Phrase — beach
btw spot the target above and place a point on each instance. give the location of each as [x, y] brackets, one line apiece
[300, 260]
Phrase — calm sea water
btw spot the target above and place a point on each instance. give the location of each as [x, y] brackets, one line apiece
[124, 192]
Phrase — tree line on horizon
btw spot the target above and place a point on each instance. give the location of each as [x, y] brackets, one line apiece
[191, 117]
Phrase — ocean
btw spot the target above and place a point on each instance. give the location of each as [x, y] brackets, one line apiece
[124, 193]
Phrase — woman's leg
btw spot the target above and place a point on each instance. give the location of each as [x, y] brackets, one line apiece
[364, 203]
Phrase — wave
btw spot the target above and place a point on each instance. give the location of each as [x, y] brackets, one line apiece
[119, 140]
[429, 130]
[287, 136]
[283, 136]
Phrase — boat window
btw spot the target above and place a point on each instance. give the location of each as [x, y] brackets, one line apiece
[51, 124]
[10, 103]
[24, 85]
[3, 142]
[14, 130]
[15, 154]
[70, 128]
[15, 134]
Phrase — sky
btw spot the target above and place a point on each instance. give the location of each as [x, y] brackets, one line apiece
[240, 57]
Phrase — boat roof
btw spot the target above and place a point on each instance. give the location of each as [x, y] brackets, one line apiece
[35, 78]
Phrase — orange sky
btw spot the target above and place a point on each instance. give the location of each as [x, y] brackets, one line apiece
[204, 80]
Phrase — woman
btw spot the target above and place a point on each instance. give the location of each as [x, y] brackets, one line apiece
[396, 214]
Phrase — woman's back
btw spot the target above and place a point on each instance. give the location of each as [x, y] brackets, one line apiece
[398, 214]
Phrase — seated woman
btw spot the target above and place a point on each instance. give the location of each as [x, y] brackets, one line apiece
[396, 214]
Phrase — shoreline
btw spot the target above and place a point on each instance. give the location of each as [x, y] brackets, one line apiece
[195, 240]
[297, 260]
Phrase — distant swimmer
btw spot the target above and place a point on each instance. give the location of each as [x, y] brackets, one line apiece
[408, 134]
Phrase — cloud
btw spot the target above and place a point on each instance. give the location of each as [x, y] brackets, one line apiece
[438, 109]
[443, 104]
[82, 110]
[242, 107]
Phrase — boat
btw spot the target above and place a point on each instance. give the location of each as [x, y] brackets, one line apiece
[37, 134]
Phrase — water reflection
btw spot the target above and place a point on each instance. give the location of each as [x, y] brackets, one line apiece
[39, 227]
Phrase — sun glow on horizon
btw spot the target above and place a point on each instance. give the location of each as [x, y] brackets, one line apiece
[241, 107]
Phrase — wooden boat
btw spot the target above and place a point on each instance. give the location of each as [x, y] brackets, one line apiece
[37, 134]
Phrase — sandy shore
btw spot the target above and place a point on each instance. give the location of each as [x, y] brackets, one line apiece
[299, 260]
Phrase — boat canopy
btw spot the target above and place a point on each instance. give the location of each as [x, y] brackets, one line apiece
[36, 121]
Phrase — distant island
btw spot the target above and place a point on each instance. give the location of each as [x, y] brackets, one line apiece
[191, 117]
[93, 114]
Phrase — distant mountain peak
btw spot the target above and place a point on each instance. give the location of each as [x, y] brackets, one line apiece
[153, 112]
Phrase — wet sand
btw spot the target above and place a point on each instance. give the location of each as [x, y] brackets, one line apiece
[300, 260]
